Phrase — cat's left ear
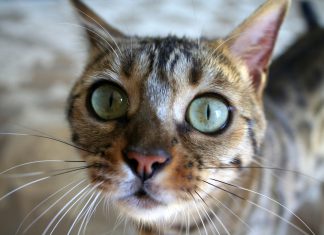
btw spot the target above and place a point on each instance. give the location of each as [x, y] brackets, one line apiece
[98, 30]
[253, 41]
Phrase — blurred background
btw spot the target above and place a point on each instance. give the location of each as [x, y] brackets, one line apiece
[42, 53]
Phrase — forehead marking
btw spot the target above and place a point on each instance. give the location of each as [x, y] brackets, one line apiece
[195, 72]
[157, 88]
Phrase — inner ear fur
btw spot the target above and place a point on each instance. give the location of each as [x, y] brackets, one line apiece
[253, 41]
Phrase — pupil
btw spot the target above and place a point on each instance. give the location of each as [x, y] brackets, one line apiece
[208, 112]
[111, 99]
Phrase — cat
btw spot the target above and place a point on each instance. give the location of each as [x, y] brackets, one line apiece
[296, 82]
[176, 132]
[192, 137]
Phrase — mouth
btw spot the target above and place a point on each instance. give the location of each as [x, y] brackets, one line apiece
[142, 199]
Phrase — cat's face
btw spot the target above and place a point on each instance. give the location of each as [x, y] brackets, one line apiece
[163, 117]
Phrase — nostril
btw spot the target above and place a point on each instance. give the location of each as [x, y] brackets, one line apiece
[132, 163]
[146, 165]
[159, 164]
[155, 166]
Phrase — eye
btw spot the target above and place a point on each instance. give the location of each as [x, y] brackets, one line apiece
[208, 114]
[108, 101]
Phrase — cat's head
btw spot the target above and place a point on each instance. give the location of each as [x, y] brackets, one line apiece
[166, 120]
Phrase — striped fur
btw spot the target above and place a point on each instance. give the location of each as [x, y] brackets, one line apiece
[161, 76]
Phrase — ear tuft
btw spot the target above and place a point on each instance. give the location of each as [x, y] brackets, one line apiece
[253, 41]
[97, 29]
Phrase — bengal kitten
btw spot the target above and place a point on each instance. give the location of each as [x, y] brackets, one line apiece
[175, 129]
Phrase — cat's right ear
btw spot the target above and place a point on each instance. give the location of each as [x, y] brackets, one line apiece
[99, 32]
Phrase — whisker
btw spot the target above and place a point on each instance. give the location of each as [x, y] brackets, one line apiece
[230, 210]
[125, 224]
[266, 168]
[77, 218]
[85, 213]
[37, 162]
[36, 130]
[47, 137]
[42, 203]
[217, 217]
[227, 40]
[193, 218]
[104, 30]
[44, 212]
[73, 170]
[25, 175]
[201, 219]
[212, 222]
[36, 181]
[64, 170]
[23, 186]
[74, 198]
[118, 222]
[182, 223]
[92, 211]
[84, 222]
[37, 173]
[110, 48]
[82, 198]
[188, 223]
[106, 207]
[262, 208]
[233, 194]
[269, 198]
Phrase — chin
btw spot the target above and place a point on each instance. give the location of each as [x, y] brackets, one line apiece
[142, 207]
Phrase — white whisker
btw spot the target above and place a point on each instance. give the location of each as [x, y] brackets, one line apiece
[233, 36]
[188, 223]
[48, 138]
[117, 222]
[269, 211]
[23, 186]
[230, 210]
[210, 219]
[44, 212]
[29, 163]
[103, 29]
[92, 211]
[201, 219]
[96, 33]
[80, 200]
[48, 173]
[125, 224]
[276, 202]
[217, 217]
[75, 198]
[41, 203]
[86, 213]
[80, 213]
[24, 175]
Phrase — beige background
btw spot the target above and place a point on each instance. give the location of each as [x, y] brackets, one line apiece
[42, 52]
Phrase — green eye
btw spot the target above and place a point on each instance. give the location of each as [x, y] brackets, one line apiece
[208, 114]
[109, 102]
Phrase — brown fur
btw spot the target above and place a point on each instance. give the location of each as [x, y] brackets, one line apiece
[161, 77]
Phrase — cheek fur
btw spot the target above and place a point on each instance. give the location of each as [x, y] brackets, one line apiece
[180, 177]
[108, 166]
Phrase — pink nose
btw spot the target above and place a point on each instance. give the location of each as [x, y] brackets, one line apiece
[145, 165]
